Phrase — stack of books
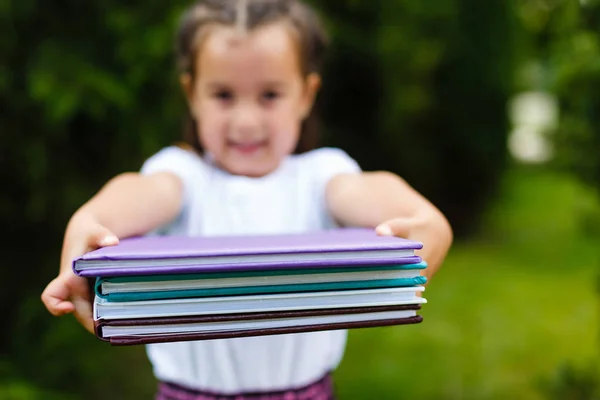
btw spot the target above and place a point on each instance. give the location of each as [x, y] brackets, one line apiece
[173, 288]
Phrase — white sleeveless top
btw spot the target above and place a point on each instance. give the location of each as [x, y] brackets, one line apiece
[290, 199]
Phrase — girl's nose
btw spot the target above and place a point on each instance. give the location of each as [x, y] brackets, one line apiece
[245, 117]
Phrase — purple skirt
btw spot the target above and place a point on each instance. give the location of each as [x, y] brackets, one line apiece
[320, 390]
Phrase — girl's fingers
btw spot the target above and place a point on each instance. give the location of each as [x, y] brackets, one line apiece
[83, 313]
[69, 293]
[56, 298]
[58, 307]
[81, 297]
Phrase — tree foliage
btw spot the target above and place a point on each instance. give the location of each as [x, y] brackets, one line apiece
[565, 42]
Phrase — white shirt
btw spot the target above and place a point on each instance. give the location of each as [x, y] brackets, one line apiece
[290, 199]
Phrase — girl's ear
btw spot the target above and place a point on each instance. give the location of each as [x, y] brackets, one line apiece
[185, 79]
[312, 84]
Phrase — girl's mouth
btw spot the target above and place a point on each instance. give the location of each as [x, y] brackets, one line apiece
[248, 147]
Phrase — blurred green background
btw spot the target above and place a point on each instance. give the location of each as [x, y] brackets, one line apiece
[490, 108]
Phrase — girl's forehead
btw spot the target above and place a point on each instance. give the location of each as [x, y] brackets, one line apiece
[272, 47]
[275, 38]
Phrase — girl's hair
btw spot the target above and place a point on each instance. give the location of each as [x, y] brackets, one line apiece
[247, 15]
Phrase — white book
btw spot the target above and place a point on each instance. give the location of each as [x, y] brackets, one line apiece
[104, 309]
[113, 331]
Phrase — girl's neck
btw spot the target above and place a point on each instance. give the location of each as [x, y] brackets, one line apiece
[210, 159]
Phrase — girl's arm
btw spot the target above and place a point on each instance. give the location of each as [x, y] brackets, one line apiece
[384, 201]
[128, 205]
[133, 204]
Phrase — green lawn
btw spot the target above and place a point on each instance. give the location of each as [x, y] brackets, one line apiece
[503, 313]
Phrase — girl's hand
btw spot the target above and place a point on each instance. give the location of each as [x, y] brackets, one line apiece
[69, 293]
[430, 229]
[399, 227]
[129, 204]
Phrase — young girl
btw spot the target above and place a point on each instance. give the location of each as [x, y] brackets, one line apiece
[249, 70]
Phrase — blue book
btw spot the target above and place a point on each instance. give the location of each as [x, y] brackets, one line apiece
[154, 287]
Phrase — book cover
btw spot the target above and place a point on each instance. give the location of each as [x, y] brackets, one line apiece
[259, 324]
[189, 254]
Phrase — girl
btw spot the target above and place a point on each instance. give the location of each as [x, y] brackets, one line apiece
[249, 70]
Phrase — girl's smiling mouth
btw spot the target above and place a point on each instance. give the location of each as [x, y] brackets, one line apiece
[247, 146]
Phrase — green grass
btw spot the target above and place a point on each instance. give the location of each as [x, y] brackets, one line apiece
[504, 312]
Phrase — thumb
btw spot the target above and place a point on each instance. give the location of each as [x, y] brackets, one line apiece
[101, 237]
[95, 236]
[399, 227]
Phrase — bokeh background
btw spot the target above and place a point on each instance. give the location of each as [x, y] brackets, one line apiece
[490, 108]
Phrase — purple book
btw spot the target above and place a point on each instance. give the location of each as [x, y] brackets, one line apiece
[157, 255]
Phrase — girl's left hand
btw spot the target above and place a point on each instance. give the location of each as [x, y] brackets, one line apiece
[406, 228]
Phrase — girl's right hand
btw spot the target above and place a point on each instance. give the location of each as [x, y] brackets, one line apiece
[69, 293]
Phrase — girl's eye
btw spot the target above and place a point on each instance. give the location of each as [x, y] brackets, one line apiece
[223, 95]
[270, 95]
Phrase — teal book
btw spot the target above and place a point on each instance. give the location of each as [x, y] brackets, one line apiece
[137, 288]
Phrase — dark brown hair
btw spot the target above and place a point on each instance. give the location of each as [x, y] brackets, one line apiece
[247, 15]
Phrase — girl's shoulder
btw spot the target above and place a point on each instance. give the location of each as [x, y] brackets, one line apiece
[174, 155]
[184, 162]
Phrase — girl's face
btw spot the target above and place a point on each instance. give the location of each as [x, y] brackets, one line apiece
[249, 97]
